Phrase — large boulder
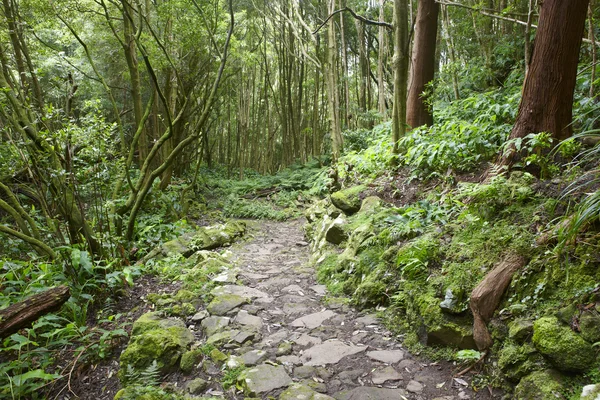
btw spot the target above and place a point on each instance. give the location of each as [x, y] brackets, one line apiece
[348, 200]
[155, 343]
[518, 361]
[565, 349]
[589, 323]
[539, 385]
[337, 231]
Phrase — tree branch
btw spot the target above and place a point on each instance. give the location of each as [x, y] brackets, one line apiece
[355, 15]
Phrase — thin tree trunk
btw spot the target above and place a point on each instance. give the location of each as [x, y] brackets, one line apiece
[381, 59]
[592, 38]
[332, 88]
[400, 70]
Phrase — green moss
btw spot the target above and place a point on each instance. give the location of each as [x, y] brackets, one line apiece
[518, 361]
[145, 393]
[520, 330]
[190, 359]
[348, 200]
[565, 349]
[539, 385]
[185, 296]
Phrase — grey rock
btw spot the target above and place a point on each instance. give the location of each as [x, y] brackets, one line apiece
[289, 360]
[591, 392]
[199, 316]
[414, 387]
[243, 291]
[284, 349]
[221, 305]
[302, 392]
[276, 338]
[336, 233]
[330, 352]
[293, 289]
[196, 386]
[371, 393]
[227, 276]
[254, 357]
[295, 308]
[304, 371]
[214, 324]
[320, 290]
[221, 338]
[263, 379]
[244, 318]
[386, 374]
[386, 356]
[349, 376]
[313, 321]
[367, 320]
[244, 336]
[306, 340]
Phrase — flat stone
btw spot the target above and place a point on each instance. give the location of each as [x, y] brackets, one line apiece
[244, 336]
[214, 324]
[386, 356]
[321, 290]
[222, 337]
[306, 340]
[381, 376]
[244, 318]
[227, 276]
[349, 376]
[293, 289]
[263, 379]
[275, 282]
[252, 275]
[371, 393]
[302, 392]
[304, 371]
[220, 305]
[254, 357]
[200, 315]
[295, 308]
[243, 291]
[276, 338]
[196, 386]
[291, 360]
[313, 321]
[367, 320]
[414, 387]
[330, 352]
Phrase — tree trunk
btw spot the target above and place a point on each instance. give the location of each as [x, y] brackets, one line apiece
[332, 89]
[423, 63]
[547, 102]
[400, 70]
[20, 315]
[381, 59]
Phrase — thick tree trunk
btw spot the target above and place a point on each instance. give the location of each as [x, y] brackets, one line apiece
[423, 63]
[547, 102]
[22, 314]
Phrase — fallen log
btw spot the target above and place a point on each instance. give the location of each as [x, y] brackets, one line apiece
[486, 297]
[21, 314]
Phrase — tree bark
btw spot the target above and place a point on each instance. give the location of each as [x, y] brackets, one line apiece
[380, 60]
[19, 315]
[423, 63]
[547, 102]
[400, 70]
[332, 89]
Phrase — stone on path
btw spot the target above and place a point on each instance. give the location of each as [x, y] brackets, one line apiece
[221, 305]
[302, 392]
[414, 387]
[254, 357]
[263, 379]
[244, 318]
[313, 321]
[254, 276]
[293, 289]
[200, 315]
[227, 276]
[275, 338]
[381, 376]
[320, 290]
[243, 291]
[214, 324]
[330, 352]
[306, 340]
[367, 320]
[386, 356]
[371, 393]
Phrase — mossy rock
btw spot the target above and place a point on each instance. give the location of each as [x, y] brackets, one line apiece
[337, 231]
[163, 341]
[348, 200]
[539, 385]
[190, 359]
[517, 362]
[212, 237]
[370, 294]
[565, 349]
[370, 205]
[145, 393]
[589, 323]
[520, 330]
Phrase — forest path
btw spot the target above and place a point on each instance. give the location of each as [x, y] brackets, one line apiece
[321, 346]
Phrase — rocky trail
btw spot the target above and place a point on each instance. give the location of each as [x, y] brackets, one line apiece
[299, 344]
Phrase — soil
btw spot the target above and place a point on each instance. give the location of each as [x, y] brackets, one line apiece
[297, 321]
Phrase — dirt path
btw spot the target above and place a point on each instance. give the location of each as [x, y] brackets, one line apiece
[320, 345]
